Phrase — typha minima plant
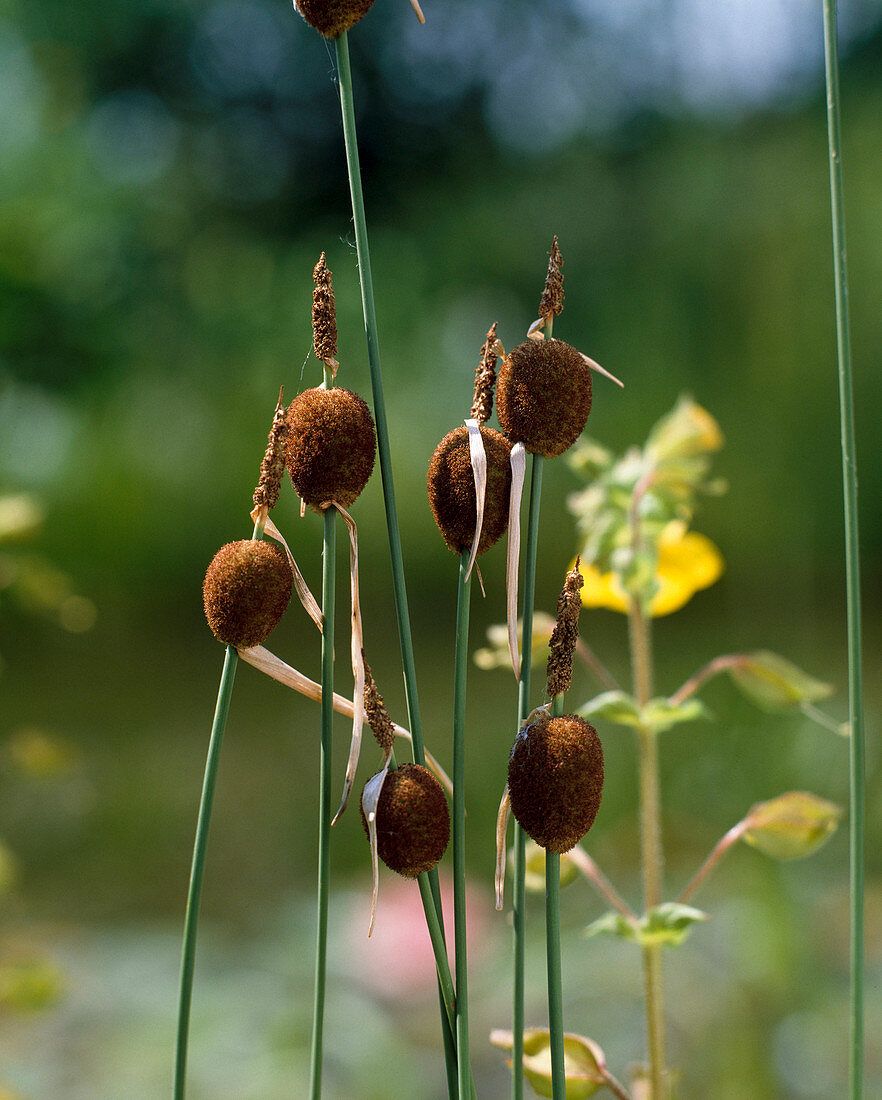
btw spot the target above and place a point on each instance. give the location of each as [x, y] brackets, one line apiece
[468, 485]
[246, 591]
[543, 398]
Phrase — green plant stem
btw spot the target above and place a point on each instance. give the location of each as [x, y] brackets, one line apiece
[722, 846]
[553, 963]
[519, 893]
[329, 558]
[651, 853]
[399, 588]
[460, 671]
[191, 920]
[852, 557]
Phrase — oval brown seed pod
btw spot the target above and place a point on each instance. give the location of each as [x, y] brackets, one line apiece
[413, 822]
[246, 591]
[543, 396]
[332, 17]
[331, 445]
[555, 780]
[451, 485]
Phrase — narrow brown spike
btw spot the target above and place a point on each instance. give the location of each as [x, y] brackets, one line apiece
[565, 634]
[273, 466]
[375, 711]
[553, 294]
[485, 377]
[324, 313]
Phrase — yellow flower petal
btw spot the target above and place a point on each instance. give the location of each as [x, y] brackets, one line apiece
[687, 562]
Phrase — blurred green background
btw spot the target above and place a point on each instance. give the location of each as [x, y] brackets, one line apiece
[169, 174]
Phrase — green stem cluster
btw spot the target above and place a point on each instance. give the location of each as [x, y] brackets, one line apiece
[461, 657]
[553, 959]
[852, 559]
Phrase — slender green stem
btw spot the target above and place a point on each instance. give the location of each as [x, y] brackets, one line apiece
[329, 559]
[552, 953]
[460, 671]
[191, 920]
[399, 587]
[519, 896]
[852, 557]
[722, 846]
[651, 853]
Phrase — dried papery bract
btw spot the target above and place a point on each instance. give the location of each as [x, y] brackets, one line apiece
[266, 495]
[331, 447]
[413, 821]
[324, 316]
[451, 487]
[555, 780]
[246, 591]
[565, 634]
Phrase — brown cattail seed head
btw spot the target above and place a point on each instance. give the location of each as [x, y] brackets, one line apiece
[246, 590]
[451, 485]
[565, 634]
[553, 294]
[555, 780]
[331, 447]
[375, 711]
[332, 17]
[543, 396]
[266, 494]
[413, 822]
[324, 313]
[485, 378]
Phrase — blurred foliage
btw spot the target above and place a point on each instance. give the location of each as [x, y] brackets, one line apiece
[168, 176]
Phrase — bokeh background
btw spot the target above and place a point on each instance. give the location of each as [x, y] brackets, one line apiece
[169, 174]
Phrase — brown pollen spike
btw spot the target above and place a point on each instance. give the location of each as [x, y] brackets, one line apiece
[553, 294]
[266, 494]
[375, 711]
[324, 313]
[565, 634]
[485, 377]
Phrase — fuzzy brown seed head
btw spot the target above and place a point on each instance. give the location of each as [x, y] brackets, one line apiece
[553, 294]
[451, 485]
[543, 396]
[273, 466]
[485, 378]
[324, 313]
[246, 590]
[413, 822]
[555, 780]
[332, 17]
[375, 711]
[331, 447]
[565, 634]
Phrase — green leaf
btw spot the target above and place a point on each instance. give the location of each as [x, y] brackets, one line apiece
[793, 825]
[659, 715]
[773, 683]
[584, 1061]
[614, 706]
[667, 924]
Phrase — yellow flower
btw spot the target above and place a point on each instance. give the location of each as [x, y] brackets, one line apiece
[687, 562]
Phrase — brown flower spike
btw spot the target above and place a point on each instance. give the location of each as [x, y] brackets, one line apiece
[565, 634]
[413, 821]
[553, 294]
[324, 314]
[332, 17]
[555, 780]
[451, 486]
[331, 447]
[246, 591]
[375, 711]
[266, 495]
[485, 377]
